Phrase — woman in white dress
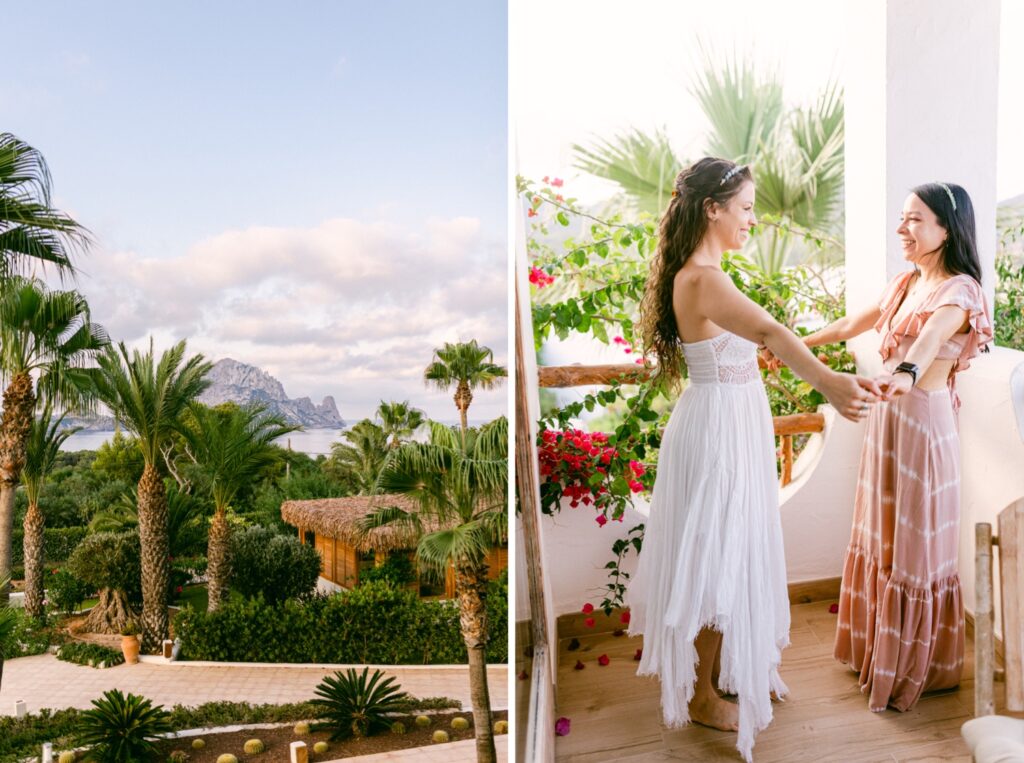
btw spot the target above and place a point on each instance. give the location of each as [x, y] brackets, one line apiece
[711, 579]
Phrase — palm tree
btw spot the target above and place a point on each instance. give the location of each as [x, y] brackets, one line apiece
[186, 520]
[399, 421]
[48, 334]
[43, 445]
[796, 155]
[464, 365]
[148, 398]
[459, 482]
[231, 448]
[358, 463]
[30, 230]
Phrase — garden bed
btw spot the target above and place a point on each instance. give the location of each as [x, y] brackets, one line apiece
[277, 740]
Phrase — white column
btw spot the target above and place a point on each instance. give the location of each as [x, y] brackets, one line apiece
[921, 98]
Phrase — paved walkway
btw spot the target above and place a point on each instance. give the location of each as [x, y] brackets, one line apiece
[44, 681]
[453, 752]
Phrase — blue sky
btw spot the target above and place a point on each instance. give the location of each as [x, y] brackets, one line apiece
[280, 172]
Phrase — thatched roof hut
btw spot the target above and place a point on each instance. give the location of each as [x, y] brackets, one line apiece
[340, 518]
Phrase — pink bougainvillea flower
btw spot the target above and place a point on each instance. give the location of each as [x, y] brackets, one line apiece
[559, 198]
[603, 659]
[619, 340]
[588, 608]
[834, 609]
[579, 665]
[624, 617]
[531, 212]
[639, 361]
[636, 486]
[545, 179]
[562, 727]
[557, 182]
[637, 467]
[638, 655]
[601, 520]
[589, 622]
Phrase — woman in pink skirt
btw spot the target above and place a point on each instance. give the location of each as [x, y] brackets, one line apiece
[901, 618]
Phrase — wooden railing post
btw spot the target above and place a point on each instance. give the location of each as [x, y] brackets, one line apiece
[787, 459]
[984, 646]
[1011, 585]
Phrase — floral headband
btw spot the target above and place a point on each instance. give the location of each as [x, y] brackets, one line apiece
[728, 175]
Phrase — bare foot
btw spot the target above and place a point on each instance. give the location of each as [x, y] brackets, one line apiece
[715, 712]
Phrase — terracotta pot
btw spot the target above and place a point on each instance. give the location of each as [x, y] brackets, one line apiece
[130, 648]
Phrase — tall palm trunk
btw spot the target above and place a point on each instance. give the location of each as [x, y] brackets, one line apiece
[463, 398]
[35, 524]
[155, 561]
[218, 569]
[15, 425]
[470, 584]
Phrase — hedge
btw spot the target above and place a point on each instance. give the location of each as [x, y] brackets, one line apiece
[373, 624]
[58, 544]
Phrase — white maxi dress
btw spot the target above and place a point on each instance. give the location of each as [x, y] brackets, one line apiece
[713, 552]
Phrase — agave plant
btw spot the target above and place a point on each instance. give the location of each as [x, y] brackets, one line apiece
[121, 729]
[352, 705]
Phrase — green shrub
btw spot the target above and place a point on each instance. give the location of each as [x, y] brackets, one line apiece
[93, 655]
[122, 729]
[397, 727]
[398, 569]
[354, 704]
[30, 636]
[109, 560]
[66, 592]
[372, 624]
[58, 544]
[278, 567]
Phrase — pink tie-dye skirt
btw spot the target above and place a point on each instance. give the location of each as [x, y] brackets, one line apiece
[901, 616]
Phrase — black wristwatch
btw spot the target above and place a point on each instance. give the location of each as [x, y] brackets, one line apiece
[909, 368]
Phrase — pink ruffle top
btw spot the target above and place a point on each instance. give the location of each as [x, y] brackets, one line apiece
[960, 290]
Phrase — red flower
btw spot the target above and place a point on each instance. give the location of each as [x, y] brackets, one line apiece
[636, 486]
[834, 609]
[559, 198]
[589, 622]
[603, 660]
[619, 340]
[639, 361]
[625, 617]
[536, 199]
[557, 182]
[544, 179]
[588, 608]
[178, 590]
[562, 727]
[579, 665]
[628, 350]
[602, 520]
[531, 212]
[637, 467]
[638, 655]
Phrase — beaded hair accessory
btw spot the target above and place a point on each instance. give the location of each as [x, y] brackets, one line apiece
[728, 175]
[949, 193]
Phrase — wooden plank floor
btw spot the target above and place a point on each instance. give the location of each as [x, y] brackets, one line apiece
[615, 715]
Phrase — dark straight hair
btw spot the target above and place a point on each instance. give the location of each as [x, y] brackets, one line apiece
[960, 252]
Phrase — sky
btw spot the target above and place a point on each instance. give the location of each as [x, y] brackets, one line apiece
[316, 188]
[584, 69]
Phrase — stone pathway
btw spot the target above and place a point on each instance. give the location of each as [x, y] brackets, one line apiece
[454, 752]
[44, 681]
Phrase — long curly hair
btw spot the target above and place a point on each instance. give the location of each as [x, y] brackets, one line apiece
[682, 227]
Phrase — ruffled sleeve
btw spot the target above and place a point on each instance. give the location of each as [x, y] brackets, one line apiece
[888, 305]
[963, 292]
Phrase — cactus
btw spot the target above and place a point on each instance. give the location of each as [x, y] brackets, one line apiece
[301, 728]
[501, 727]
[178, 756]
[68, 756]
[459, 724]
[440, 737]
[320, 748]
[422, 721]
[397, 727]
[198, 743]
[254, 747]
[227, 758]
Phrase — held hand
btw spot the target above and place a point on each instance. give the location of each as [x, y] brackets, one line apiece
[851, 396]
[894, 385]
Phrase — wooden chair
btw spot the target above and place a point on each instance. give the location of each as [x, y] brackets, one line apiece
[996, 738]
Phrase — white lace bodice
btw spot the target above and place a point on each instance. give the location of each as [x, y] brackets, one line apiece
[723, 359]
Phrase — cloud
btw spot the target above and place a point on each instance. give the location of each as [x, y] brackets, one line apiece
[344, 308]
